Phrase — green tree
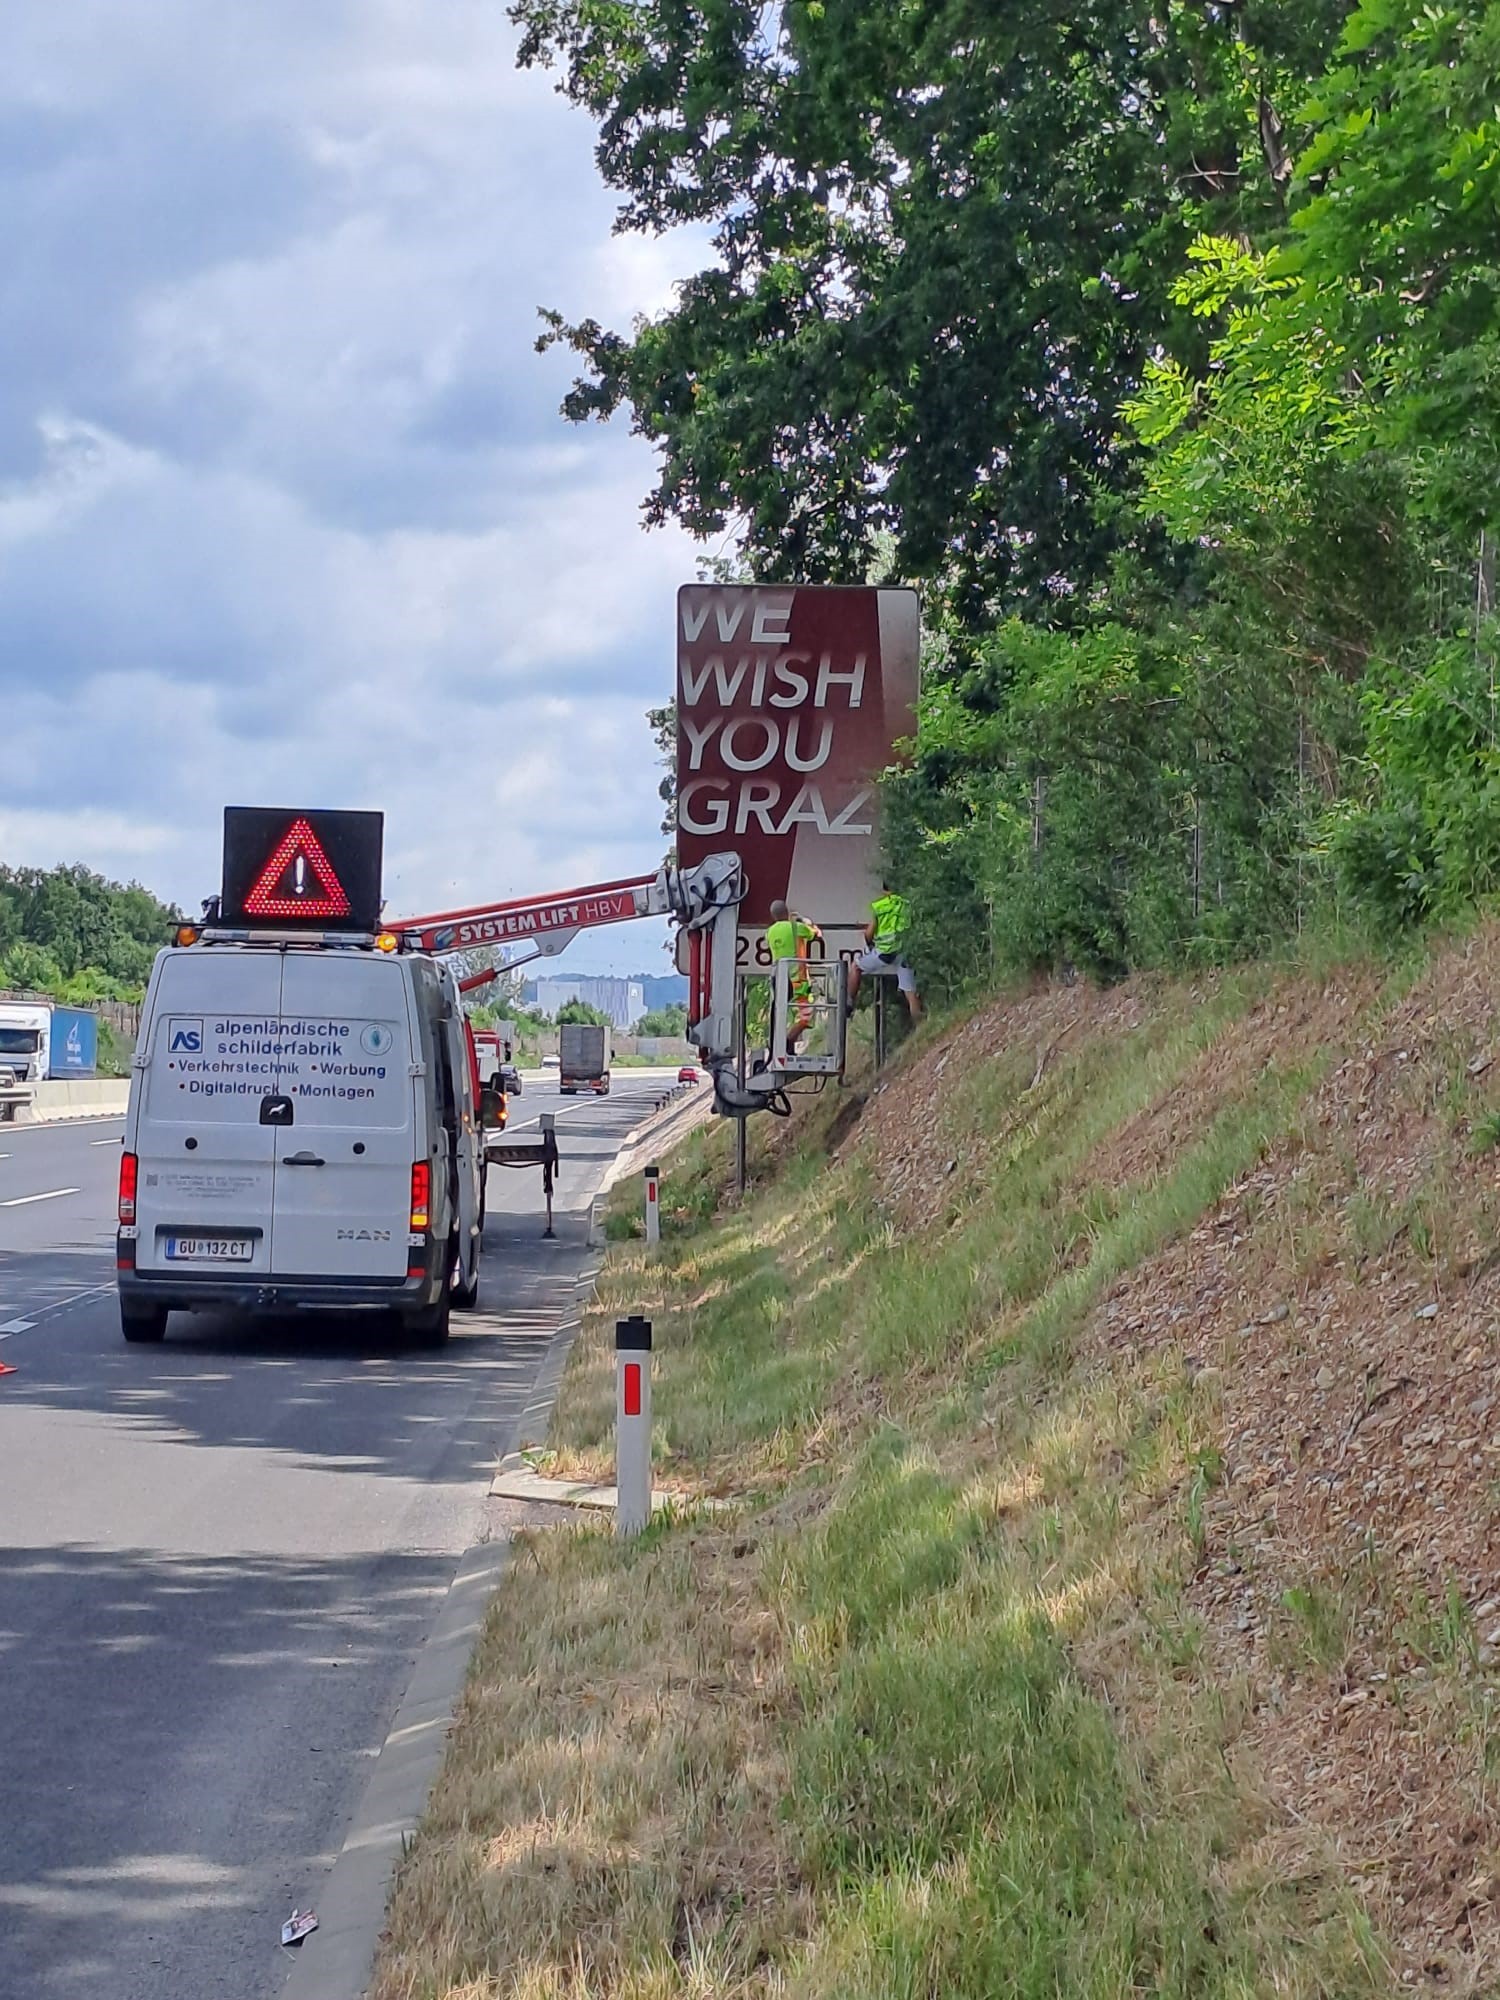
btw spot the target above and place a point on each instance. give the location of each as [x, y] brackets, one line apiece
[70, 927]
[663, 1021]
[941, 236]
[1165, 349]
[581, 1013]
[1338, 455]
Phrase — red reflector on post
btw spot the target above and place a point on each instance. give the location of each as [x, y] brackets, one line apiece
[421, 1195]
[632, 1388]
[129, 1170]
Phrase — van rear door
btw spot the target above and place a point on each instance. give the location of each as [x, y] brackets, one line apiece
[343, 1164]
[204, 1196]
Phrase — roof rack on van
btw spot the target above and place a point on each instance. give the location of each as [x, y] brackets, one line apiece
[344, 940]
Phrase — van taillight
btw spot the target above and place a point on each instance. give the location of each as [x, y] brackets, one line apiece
[421, 1195]
[129, 1168]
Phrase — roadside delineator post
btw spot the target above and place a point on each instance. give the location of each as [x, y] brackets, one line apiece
[632, 1424]
[593, 1237]
[653, 1207]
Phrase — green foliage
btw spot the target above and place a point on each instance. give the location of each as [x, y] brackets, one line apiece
[1403, 215]
[579, 1012]
[489, 1016]
[70, 933]
[1427, 842]
[664, 1021]
[1167, 355]
[941, 241]
[1339, 451]
[1132, 794]
[663, 723]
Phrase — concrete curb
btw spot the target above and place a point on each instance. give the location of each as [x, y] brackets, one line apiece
[336, 1962]
[74, 1116]
[515, 1481]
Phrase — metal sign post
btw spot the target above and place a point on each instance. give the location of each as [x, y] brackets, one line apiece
[632, 1424]
[653, 1207]
[549, 1164]
[741, 1156]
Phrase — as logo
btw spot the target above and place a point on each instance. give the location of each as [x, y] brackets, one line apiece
[184, 1038]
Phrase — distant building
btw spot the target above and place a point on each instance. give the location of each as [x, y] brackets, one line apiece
[623, 1000]
[668, 989]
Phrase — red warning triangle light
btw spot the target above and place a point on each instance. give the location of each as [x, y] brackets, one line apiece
[284, 887]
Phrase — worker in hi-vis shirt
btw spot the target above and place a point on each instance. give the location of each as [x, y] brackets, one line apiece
[884, 957]
[788, 936]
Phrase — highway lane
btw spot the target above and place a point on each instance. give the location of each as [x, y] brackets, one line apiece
[57, 1206]
[218, 1560]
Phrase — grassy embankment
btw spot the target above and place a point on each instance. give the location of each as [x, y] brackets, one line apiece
[976, 1691]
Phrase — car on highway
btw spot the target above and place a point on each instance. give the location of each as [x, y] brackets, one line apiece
[551, 1062]
[688, 1074]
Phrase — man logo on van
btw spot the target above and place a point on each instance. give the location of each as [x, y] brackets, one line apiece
[186, 1037]
[364, 1236]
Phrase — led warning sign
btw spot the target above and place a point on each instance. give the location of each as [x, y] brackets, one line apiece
[286, 887]
[287, 869]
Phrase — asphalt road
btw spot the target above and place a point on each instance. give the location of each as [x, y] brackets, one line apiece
[218, 1560]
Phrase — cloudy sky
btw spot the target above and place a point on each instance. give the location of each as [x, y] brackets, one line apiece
[287, 514]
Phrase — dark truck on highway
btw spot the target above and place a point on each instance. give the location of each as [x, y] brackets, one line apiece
[583, 1058]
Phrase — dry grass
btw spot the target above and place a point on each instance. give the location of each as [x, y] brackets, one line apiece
[610, 1825]
[1113, 1606]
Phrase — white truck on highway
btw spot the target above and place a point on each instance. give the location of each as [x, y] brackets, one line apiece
[583, 1058]
[25, 1028]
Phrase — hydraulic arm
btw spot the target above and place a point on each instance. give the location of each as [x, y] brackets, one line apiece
[703, 901]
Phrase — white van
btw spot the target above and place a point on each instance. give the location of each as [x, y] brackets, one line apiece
[302, 1133]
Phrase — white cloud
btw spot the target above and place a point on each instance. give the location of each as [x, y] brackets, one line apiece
[286, 512]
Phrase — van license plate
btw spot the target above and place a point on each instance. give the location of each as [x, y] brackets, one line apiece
[211, 1249]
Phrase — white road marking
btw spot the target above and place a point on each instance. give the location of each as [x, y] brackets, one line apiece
[14, 1132]
[92, 1142]
[15, 1326]
[52, 1194]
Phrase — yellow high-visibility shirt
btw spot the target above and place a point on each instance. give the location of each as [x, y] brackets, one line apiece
[782, 939]
[892, 919]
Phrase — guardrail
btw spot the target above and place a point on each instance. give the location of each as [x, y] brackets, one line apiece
[655, 1134]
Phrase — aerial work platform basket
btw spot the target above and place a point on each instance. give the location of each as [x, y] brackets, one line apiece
[808, 1011]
